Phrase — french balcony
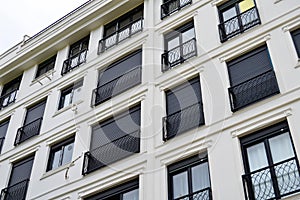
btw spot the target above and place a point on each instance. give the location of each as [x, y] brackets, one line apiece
[183, 120]
[28, 131]
[204, 194]
[178, 54]
[111, 152]
[172, 6]
[239, 24]
[253, 90]
[74, 62]
[122, 34]
[8, 98]
[15, 192]
[1, 143]
[273, 182]
[117, 86]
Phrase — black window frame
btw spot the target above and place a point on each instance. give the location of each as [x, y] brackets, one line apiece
[69, 90]
[166, 4]
[296, 40]
[45, 66]
[3, 123]
[9, 91]
[59, 147]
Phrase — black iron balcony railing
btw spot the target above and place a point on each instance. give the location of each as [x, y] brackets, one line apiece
[253, 90]
[120, 35]
[239, 24]
[172, 6]
[178, 54]
[1, 143]
[117, 86]
[28, 131]
[203, 194]
[111, 152]
[15, 192]
[8, 98]
[273, 182]
[74, 61]
[183, 120]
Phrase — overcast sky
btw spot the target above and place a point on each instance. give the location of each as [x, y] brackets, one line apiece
[28, 17]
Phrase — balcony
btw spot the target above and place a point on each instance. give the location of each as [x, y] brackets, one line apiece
[273, 182]
[204, 194]
[117, 86]
[253, 90]
[28, 131]
[74, 62]
[120, 35]
[183, 120]
[172, 6]
[15, 192]
[1, 143]
[178, 54]
[8, 98]
[239, 24]
[111, 152]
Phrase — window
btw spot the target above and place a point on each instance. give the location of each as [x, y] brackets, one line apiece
[77, 55]
[3, 130]
[180, 45]
[45, 66]
[118, 77]
[184, 108]
[61, 154]
[189, 179]
[271, 165]
[251, 78]
[32, 123]
[296, 39]
[19, 180]
[237, 16]
[126, 191]
[170, 6]
[9, 92]
[122, 28]
[70, 95]
[113, 140]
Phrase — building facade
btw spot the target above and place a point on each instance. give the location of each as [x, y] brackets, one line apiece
[170, 99]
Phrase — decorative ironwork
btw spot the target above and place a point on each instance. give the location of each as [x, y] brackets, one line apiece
[120, 35]
[111, 152]
[253, 90]
[117, 86]
[15, 192]
[74, 62]
[273, 182]
[28, 131]
[204, 194]
[8, 98]
[1, 143]
[172, 6]
[183, 120]
[179, 54]
[239, 24]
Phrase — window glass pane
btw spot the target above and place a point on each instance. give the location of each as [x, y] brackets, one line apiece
[281, 147]
[173, 43]
[76, 95]
[246, 5]
[3, 128]
[188, 35]
[257, 156]
[67, 100]
[67, 155]
[180, 184]
[200, 177]
[132, 195]
[55, 161]
[228, 14]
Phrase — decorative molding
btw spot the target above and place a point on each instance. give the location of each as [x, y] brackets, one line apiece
[217, 2]
[64, 134]
[291, 25]
[24, 153]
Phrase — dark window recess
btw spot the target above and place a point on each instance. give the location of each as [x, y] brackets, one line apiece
[271, 164]
[252, 78]
[19, 180]
[122, 28]
[170, 6]
[296, 39]
[70, 95]
[77, 55]
[61, 154]
[113, 140]
[237, 16]
[3, 130]
[45, 66]
[189, 179]
[184, 109]
[126, 191]
[32, 123]
[118, 77]
[180, 45]
[9, 92]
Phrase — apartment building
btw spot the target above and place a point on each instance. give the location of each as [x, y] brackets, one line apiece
[155, 100]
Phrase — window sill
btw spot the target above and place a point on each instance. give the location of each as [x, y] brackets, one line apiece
[57, 170]
[298, 64]
[48, 75]
[72, 106]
